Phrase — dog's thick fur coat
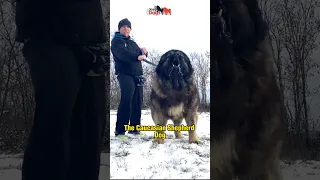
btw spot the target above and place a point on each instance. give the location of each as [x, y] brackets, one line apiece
[247, 114]
[174, 94]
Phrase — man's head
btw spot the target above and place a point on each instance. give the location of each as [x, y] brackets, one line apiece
[124, 27]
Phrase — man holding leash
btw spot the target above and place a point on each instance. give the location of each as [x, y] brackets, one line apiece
[68, 75]
[128, 67]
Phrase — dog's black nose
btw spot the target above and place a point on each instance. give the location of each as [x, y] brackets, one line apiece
[175, 62]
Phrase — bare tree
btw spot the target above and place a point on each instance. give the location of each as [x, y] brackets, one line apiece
[294, 28]
[300, 29]
[16, 94]
[201, 63]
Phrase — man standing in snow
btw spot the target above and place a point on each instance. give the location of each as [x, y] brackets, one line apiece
[127, 57]
[61, 40]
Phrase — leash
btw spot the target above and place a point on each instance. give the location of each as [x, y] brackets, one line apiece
[148, 61]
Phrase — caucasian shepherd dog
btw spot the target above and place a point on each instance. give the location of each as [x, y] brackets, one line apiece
[174, 94]
[247, 110]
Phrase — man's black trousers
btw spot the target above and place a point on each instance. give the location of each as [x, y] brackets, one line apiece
[130, 103]
[70, 115]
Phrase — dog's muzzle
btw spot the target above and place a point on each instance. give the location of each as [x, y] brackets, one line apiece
[175, 66]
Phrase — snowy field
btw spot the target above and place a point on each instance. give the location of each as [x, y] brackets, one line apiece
[137, 158]
[10, 167]
[175, 159]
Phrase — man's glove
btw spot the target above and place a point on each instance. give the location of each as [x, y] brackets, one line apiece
[139, 80]
[101, 59]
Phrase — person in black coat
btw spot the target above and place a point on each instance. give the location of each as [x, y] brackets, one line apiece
[127, 56]
[63, 42]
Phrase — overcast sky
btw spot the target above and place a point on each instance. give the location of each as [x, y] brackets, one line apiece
[187, 28]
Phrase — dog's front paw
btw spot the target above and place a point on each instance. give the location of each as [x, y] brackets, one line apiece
[178, 135]
[194, 140]
[158, 140]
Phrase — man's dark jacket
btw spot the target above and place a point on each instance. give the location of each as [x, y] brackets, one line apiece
[125, 54]
[75, 22]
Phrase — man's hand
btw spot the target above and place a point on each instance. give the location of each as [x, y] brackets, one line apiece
[142, 57]
[144, 50]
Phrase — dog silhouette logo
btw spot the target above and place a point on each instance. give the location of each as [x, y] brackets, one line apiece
[166, 11]
[157, 10]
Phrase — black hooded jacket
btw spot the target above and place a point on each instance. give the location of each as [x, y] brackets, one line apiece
[76, 22]
[125, 54]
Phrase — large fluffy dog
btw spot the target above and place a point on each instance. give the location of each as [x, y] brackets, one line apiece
[247, 111]
[174, 94]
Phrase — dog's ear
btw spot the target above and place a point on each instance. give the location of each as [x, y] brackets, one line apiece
[188, 62]
[160, 64]
[160, 71]
[260, 26]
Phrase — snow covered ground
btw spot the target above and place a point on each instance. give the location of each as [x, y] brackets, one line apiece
[137, 158]
[10, 167]
[175, 159]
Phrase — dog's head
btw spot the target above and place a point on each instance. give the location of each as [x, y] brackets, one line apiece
[175, 69]
[242, 21]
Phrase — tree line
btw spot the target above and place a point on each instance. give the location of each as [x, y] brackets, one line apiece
[200, 63]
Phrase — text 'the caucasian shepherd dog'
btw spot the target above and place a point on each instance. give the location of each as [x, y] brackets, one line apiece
[247, 110]
[174, 94]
